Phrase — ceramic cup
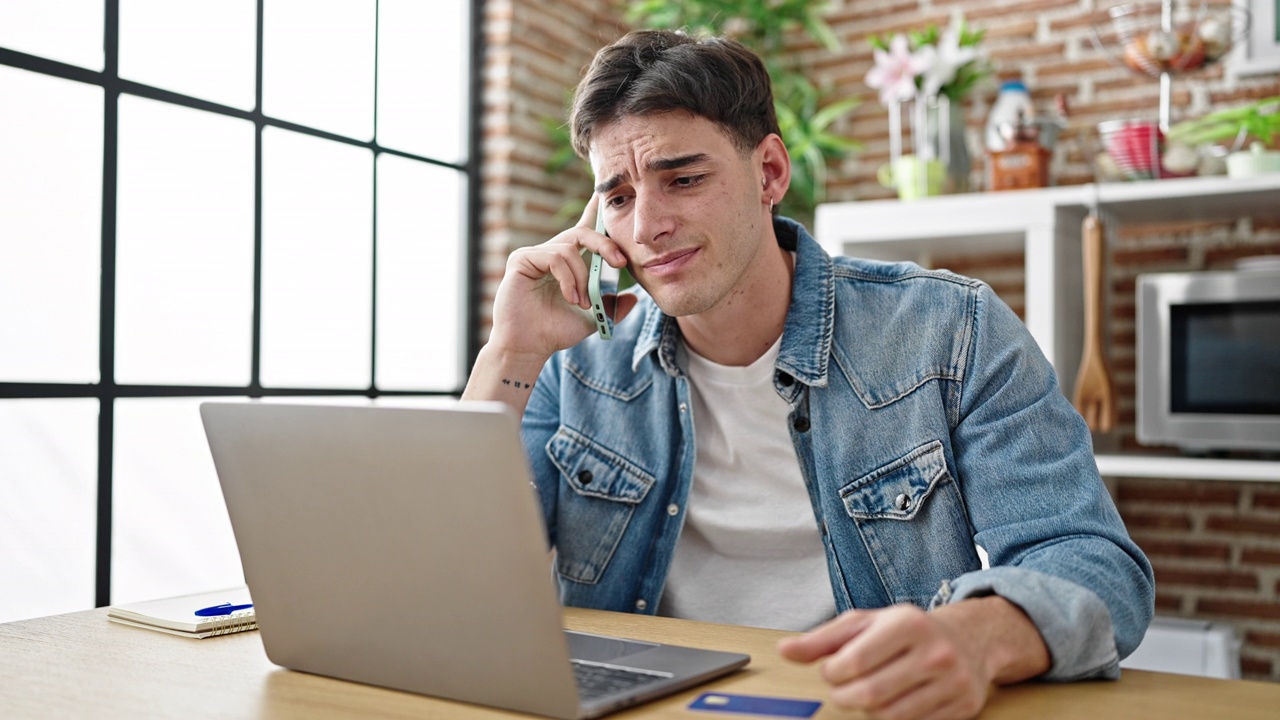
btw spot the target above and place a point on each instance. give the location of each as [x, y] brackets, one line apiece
[912, 177]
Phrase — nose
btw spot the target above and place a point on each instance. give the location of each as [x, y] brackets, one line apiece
[653, 217]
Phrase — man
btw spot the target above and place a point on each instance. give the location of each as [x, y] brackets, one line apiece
[774, 437]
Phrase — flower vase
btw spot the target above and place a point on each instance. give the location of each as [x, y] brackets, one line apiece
[934, 130]
[954, 151]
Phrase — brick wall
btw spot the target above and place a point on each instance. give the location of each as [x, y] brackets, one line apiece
[1215, 545]
[1045, 42]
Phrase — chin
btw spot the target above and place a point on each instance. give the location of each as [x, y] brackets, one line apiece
[680, 298]
[678, 304]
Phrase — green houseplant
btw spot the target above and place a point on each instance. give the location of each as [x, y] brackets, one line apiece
[805, 112]
[1234, 128]
[1259, 120]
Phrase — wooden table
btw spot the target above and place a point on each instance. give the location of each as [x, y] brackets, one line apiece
[82, 666]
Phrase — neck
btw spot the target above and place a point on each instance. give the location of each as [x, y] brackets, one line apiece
[742, 327]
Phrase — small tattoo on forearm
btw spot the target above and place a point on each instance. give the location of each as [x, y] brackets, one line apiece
[516, 384]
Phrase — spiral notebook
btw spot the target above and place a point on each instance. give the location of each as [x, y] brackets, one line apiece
[220, 612]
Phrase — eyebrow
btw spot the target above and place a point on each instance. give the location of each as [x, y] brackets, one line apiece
[658, 165]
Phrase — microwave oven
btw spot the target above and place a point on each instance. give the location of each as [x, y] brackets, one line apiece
[1208, 359]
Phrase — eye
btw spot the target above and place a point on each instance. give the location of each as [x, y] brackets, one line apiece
[686, 181]
[617, 201]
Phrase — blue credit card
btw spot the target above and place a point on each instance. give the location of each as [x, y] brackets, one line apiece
[755, 705]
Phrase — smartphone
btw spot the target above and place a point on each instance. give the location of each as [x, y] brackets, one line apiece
[602, 280]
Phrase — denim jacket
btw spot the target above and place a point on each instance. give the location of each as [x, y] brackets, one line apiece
[925, 419]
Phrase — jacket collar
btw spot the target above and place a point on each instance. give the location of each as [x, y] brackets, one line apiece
[806, 337]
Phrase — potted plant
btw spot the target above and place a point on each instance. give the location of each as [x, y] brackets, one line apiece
[934, 69]
[1258, 122]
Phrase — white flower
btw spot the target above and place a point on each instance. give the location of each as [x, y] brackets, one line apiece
[945, 59]
[895, 71]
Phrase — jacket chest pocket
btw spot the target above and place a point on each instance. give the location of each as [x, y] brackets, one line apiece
[598, 496]
[912, 520]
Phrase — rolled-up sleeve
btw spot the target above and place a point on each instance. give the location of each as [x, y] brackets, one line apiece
[1073, 621]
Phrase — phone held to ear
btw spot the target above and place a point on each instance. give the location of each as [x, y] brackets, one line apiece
[602, 279]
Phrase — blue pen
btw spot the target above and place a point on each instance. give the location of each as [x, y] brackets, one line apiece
[223, 609]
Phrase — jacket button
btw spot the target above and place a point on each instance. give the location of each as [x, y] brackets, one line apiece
[585, 477]
[902, 502]
[641, 604]
[673, 509]
[784, 379]
[801, 424]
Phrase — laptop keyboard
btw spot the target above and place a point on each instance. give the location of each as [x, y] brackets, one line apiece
[597, 680]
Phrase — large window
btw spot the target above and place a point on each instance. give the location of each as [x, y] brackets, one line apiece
[210, 199]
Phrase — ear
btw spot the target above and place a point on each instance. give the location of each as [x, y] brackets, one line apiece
[775, 168]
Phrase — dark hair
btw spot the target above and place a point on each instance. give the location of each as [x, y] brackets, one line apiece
[658, 71]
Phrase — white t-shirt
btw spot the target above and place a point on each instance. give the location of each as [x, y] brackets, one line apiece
[749, 552]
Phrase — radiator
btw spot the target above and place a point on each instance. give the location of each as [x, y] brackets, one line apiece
[1188, 647]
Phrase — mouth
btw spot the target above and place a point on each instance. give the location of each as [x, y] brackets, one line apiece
[670, 262]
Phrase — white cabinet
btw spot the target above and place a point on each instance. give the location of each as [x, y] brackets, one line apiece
[1045, 225]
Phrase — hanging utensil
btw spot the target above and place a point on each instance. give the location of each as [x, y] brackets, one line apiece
[1094, 393]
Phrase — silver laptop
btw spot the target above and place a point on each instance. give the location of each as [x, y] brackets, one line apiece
[405, 547]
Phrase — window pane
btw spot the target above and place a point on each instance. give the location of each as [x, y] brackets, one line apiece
[203, 48]
[421, 237]
[422, 77]
[184, 262]
[48, 506]
[317, 262]
[69, 31]
[50, 227]
[318, 64]
[170, 532]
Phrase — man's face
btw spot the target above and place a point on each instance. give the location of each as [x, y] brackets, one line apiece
[684, 204]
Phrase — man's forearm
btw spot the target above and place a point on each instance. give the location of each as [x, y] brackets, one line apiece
[503, 376]
[1001, 633]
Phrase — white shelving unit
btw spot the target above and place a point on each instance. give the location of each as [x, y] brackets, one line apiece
[1190, 468]
[1045, 225]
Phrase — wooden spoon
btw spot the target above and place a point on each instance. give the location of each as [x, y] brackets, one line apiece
[1094, 395]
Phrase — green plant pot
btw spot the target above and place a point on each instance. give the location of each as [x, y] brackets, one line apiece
[1257, 160]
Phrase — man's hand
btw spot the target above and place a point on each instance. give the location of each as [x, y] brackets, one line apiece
[901, 662]
[541, 307]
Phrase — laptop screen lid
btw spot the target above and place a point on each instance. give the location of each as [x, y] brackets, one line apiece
[405, 547]
[400, 547]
